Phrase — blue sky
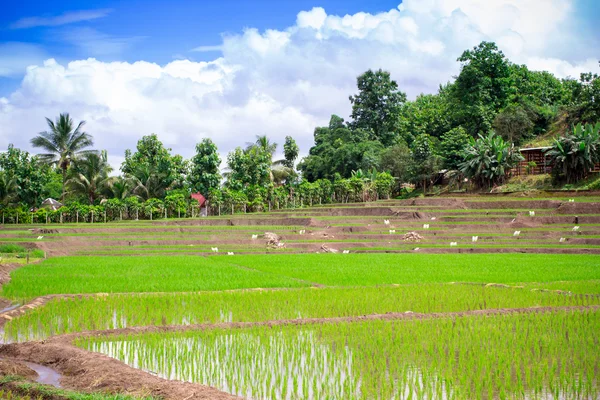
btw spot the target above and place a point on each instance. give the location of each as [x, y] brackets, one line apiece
[230, 70]
[157, 31]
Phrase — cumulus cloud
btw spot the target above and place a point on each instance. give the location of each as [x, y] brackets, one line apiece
[62, 19]
[286, 82]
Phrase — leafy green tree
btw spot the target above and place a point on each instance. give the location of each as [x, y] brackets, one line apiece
[584, 105]
[204, 176]
[428, 114]
[426, 163]
[147, 182]
[489, 159]
[176, 204]
[481, 89]
[339, 149]
[384, 184]
[376, 106]
[573, 155]
[89, 176]
[290, 152]
[249, 167]
[63, 143]
[151, 156]
[513, 124]
[452, 145]
[24, 178]
[396, 160]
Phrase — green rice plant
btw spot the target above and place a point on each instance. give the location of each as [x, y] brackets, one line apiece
[70, 315]
[519, 356]
[135, 274]
[377, 269]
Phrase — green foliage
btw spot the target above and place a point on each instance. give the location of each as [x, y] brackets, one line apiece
[513, 124]
[376, 106]
[573, 155]
[428, 114]
[452, 146]
[22, 179]
[340, 149]
[290, 151]
[152, 169]
[63, 143]
[489, 159]
[248, 167]
[396, 160]
[88, 176]
[481, 89]
[204, 174]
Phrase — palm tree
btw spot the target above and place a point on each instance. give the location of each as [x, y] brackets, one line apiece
[263, 143]
[89, 176]
[117, 187]
[8, 188]
[64, 143]
[147, 183]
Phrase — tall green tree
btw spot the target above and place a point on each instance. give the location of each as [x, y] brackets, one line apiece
[152, 157]
[24, 178]
[204, 174]
[481, 89]
[89, 176]
[63, 143]
[290, 152]
[376, 106]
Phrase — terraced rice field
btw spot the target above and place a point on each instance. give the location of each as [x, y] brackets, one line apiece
[341, 304]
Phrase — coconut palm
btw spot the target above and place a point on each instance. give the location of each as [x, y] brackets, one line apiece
[8, 188]
[89, 176]
[64, 143]
[263, 143]
[147, 183]
[117, 187]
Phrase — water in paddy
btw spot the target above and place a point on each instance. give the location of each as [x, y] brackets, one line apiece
[257, 367]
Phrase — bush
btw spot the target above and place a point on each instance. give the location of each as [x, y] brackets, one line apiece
[11, 248]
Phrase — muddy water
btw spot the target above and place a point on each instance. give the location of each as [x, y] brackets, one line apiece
[46, 376]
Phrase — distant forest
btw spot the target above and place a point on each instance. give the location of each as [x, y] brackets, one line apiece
[470, 130]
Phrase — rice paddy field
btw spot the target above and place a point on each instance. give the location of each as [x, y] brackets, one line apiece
[433, 298]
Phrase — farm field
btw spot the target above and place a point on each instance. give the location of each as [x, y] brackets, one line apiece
[466, 297]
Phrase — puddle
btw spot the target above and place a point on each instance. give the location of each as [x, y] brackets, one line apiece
[46, 376]
[9, 308]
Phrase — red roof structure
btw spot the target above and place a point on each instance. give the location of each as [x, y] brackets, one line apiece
[200, 198]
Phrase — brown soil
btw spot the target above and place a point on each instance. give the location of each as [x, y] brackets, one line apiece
[16, 368]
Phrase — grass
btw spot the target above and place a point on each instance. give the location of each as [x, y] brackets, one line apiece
[120, 311]
[135, 274]
[15, 388]
[534, 356]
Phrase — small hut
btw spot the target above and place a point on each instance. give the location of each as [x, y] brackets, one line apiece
[51, 204]
[201, 202]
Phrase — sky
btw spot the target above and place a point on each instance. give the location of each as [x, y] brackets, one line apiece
[233, 69]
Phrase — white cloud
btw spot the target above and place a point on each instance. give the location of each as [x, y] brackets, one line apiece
[286, 82]
[62, 19]
[92, 42]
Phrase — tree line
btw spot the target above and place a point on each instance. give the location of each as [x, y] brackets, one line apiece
[471, 127]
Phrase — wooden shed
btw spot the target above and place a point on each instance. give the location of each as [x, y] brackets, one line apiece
[534, 162]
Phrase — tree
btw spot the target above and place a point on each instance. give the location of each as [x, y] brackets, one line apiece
[89, 176]
[23, 176]
[375, 108]
[452, 145]
[573, 155]
[481, 89]
[64, 143]
[396, 160]
[264, 144]
[428, 114]
[147, 182]
[513, 124]
[204, 175]
[290, 152]
[151, 156]
[425, 162]
[249, 167]
[489, 159]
